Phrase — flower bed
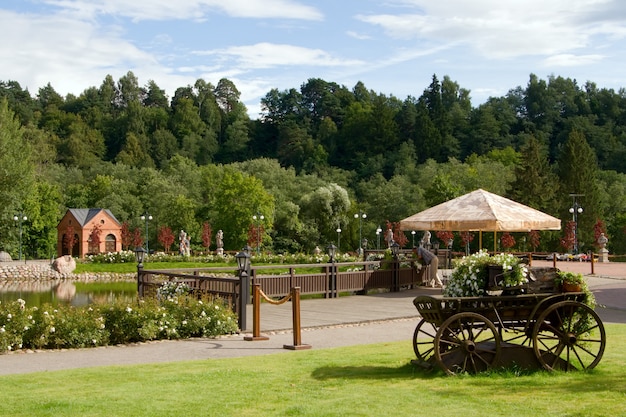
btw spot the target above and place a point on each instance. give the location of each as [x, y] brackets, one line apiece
[470, 277]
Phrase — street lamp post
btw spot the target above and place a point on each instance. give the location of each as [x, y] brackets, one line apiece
[19, 218]
[413, 237]
[338, 237]
[332, 284]
[378, 232]
[575, 210]
[360, 215]
[395, 251]
[258, 218]
[147, 217]
[243, 266]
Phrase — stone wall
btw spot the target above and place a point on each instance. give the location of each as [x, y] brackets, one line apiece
[42, 272]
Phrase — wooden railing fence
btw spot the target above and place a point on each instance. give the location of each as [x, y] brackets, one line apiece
[333, 279]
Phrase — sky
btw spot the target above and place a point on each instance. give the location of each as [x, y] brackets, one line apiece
[394, 47]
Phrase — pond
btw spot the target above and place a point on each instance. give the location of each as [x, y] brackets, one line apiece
[68, 293]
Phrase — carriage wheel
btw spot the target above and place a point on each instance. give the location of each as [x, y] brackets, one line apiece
[569, 335]
[424, 340]
[467, 342]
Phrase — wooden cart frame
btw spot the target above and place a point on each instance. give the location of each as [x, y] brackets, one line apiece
[470, 334]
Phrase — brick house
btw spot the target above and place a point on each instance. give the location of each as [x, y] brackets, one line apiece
[83, 221]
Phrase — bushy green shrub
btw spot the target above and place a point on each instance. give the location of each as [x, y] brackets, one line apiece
[117, 323]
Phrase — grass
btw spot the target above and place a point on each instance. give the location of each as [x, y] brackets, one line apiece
[368, 380]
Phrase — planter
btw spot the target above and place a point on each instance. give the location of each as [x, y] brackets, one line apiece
[495, 274]
[568, 287]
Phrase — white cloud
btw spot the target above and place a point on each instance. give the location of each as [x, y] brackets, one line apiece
[501, 29]
[358, 36]
[570, 60]
[269, 55]
[139, 10]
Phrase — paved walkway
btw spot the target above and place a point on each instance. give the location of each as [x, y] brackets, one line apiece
[326, 323]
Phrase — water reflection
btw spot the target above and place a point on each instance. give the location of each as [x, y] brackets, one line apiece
[66, 293]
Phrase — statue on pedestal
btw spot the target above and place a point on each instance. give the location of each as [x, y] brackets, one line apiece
[604, 252]
[219, 240]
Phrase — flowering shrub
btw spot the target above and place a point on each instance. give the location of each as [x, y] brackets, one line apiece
[262, 258]
[178, 317]
[471, 273]
[111, 258]
[172, 289]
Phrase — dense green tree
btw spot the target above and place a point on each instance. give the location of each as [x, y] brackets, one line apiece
[535, 183]
[237, 197]
[578, 174]
[17, 172]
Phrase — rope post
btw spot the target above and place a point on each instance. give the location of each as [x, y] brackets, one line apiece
[256, 315]
[554, 260]
[593, 263]
[295, 305]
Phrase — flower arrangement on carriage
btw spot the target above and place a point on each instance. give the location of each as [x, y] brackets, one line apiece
[476, 274]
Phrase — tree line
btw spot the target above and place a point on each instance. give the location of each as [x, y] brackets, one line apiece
[314, 157]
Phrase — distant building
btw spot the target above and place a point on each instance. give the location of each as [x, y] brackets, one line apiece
[83, 222]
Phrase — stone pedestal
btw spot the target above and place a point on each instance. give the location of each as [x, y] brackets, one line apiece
[604, 255]
[219, 252]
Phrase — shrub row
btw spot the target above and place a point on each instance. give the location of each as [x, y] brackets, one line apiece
[57, 327]
[262, 258]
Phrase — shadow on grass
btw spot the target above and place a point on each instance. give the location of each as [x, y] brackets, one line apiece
[406, 371]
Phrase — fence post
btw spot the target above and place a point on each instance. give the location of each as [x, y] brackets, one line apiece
[295, 306]
[244, 298]
[256, 316]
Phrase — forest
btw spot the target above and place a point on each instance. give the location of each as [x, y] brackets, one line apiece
[295, 177]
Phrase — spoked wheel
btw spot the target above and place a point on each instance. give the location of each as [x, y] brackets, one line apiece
[424, 340]
[569, 335]
[467, 342]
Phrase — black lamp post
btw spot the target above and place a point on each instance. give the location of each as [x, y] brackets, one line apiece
[243, 264]
[450, 242]
[413, 237]
[360, 215]
[378, 232]
[332, 284]
[147, 217]
[258, 218]
[140, 254]
[19, 218]
[575, 210]
[395, 250]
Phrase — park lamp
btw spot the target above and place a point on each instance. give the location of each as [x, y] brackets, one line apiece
[395, 249]
[140, 253]
[243, 261]
[332, 251]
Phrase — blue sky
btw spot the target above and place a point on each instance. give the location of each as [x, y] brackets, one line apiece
[392, 46]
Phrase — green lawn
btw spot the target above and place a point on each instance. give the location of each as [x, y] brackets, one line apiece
[370, 380]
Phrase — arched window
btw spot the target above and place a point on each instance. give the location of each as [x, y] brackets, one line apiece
[109, 243]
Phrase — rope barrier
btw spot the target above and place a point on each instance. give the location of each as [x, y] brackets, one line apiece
[294, 295]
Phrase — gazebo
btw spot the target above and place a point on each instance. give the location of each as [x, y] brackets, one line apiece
[481, 211]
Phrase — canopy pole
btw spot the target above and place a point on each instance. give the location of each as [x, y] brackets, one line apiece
[495, 235]
[480, 240]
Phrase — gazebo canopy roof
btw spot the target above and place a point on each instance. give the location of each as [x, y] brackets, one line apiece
[481, 210]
